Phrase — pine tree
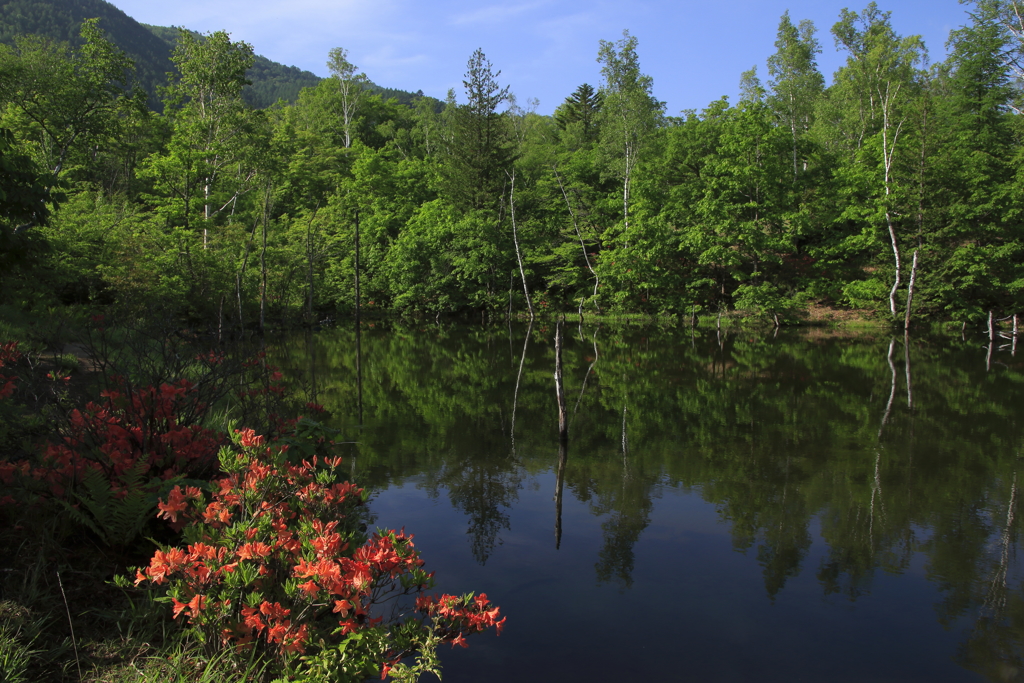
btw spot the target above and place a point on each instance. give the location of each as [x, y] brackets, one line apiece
[480, 149]
[581, 108]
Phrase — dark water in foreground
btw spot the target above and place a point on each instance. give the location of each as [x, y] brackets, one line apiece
[824, 507]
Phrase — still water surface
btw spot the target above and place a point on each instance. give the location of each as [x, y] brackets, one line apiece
[800, 507]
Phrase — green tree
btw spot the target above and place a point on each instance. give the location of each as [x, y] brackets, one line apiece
[630, 113]
[876, 88]
[796, 84]
[25, 199]
[481, 144]
[980, 238]
[350, 86]
[61, 99]
[581, 109]
[208, 161]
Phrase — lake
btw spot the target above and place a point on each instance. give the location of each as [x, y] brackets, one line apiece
[803, 506]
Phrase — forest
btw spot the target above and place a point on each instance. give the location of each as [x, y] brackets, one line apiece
[893, 190]
[174, 489]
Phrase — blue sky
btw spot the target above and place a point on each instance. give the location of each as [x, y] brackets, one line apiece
[694, 50]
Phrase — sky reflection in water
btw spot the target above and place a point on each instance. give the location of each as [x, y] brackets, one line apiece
[778, 511]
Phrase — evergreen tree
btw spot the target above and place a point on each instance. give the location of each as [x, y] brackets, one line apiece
[581, 108]
[481, 145]
[981, 236]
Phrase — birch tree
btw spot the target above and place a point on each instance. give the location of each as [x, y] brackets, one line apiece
[208, 161]
[350, 87]
[878, 84]
[796, 84]
[629, 111]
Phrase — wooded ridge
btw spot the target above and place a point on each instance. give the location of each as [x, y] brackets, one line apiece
[894, 189]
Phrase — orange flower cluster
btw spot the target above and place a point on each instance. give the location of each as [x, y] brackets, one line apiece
[459, 615]
[275, 560]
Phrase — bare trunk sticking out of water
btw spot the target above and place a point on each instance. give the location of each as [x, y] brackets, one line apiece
[563, 423]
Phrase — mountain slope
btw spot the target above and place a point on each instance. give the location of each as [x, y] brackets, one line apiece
[61, 20]
[270, 81]
[151, 48]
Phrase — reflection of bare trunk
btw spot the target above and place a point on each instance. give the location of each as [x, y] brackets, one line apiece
[906, 363]
[563, 453]
[892, 391]
[625, 442]
[876, 493]
[519, 376]
[563, 423]
[587, 376]
[996, 598]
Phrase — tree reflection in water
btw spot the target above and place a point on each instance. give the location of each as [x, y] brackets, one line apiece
[790, 438]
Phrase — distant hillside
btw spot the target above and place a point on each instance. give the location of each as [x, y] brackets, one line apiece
[61, 20]
[270, 81]
[151, 48]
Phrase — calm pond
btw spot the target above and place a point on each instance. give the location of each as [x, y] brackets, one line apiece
[800, 507]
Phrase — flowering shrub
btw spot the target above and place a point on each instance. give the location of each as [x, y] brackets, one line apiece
[273, 560]
[9, 355]
[108, 462]
[129, 435]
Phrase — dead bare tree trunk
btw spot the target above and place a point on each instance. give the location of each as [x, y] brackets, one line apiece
[1013, 345]
[991, 341]
[583, 246]
[890, 137]
[357, 268]
[906, 367]
[563, 423]
[519, 376]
